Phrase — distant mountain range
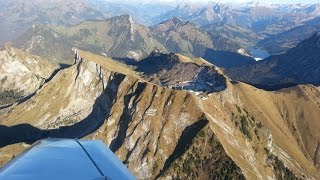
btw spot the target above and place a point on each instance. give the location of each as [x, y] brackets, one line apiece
[221, 40]
[263, 19]
[116, 37]
[18, 16]
[122, 38]
[247, 24]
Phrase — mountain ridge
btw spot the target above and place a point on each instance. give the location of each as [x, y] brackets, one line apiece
[144, 131]
[128, 41]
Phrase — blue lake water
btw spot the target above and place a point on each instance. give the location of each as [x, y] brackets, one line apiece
[258, 54]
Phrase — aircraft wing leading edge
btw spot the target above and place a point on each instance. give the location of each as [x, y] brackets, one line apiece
[66, 159]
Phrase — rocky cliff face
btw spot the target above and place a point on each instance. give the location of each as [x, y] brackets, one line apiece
[158, 132]
[21, 74]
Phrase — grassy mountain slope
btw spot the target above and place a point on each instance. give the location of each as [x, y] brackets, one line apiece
[157, 131]
[122, 38]
[118, 37]
[183, 37]
[46, 42]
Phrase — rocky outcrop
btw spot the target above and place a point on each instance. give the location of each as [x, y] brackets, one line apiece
[170, 71]
[21, 74]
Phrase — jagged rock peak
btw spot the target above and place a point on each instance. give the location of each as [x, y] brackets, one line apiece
[77, 57]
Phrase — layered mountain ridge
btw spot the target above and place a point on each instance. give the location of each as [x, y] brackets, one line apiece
[254, 20]
[149, 126]
[263, 19]
[122, 38]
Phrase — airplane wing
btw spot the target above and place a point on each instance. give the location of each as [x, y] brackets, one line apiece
[66, 159]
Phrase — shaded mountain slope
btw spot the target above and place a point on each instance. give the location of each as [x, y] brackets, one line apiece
[300, 65]
[225, 59]
[215, 45]
[280, 43]
[231, 37]
[157, 131]
[188, 39]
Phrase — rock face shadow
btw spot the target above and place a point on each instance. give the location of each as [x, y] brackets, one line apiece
[26, 98]
[101, 110]
[184, 142]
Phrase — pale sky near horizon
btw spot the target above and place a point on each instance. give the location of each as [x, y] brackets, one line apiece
[228, 1]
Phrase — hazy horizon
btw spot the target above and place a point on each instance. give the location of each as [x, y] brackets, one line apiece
[222, 1]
